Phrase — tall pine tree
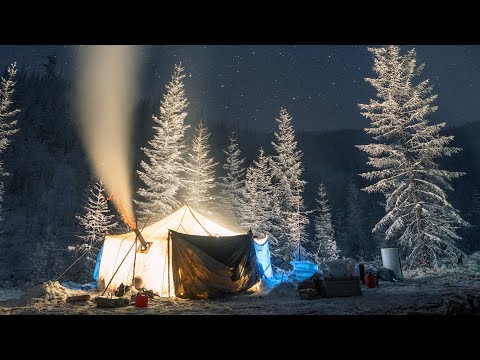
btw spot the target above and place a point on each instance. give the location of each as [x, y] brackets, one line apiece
[7, 122]
[288, 190]
[405, 154]
[200, 172]
[326, 246]
[164, 172]
[233, 184]
[259, 202]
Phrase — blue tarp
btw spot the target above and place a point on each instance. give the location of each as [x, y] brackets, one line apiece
[263, 258]
[303, 269]
[97, 265]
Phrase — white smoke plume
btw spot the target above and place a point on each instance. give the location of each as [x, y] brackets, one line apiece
[106, 94]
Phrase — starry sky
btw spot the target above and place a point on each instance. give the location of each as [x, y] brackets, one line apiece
[320, 85]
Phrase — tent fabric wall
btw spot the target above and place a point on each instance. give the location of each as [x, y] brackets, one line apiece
[208, 267]
[262, 251]
[151, 269]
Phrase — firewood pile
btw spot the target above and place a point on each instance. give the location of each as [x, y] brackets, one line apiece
[463, 304]
[316, 287]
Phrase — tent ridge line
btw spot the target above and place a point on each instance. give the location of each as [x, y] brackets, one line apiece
[191, 212]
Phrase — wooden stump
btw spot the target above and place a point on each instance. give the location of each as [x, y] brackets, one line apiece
[105, 302]
[78, 298]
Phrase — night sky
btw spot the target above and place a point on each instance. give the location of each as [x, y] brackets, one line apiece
[320, 85]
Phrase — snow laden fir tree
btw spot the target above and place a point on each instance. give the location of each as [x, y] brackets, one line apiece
[288, 190]
[96, 221]
[419, 219]
[7, 121]
[163, 173]
[324, 231]
[200, 172]
[260, 208]
[233, 184]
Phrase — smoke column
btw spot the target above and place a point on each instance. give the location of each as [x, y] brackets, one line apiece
[107, 87]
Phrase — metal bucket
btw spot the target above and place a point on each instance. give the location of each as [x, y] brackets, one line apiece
[391, 260]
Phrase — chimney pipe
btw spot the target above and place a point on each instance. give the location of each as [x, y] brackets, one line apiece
[140, 237]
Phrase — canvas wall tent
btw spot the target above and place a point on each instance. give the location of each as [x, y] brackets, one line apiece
[188, 251]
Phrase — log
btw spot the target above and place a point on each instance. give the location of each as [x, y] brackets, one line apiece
[309, 294]
[78, 298]
[105, 302]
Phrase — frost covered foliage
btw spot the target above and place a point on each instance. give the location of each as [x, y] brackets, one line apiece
[405, 154]
[7, 122]
[96, 221]
[44, 262]
[233, 184]
[288, 190]
[260, 209]
[324, 231]
[163, 173]
[200, 172]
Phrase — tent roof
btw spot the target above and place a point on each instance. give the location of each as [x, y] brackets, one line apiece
[184, 220]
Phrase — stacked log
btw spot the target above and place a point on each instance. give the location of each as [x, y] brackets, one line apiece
[463, 304]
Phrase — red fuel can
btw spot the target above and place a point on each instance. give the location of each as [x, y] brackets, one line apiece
[370, 280]
[141, 300]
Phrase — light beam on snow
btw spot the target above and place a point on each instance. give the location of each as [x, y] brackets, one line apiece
[107, 87]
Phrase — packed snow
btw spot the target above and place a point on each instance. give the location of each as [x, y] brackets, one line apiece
[426, 294]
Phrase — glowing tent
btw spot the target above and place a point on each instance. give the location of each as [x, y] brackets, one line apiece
[190, 256]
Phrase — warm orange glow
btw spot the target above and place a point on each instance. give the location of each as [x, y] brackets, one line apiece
[129, 219]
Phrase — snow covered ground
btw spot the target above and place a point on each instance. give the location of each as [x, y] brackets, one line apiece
[428, 293]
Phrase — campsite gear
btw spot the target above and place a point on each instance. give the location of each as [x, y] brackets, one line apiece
[336, 287]
[78, 298]
[308, 294]
[141, 300]
[105, 302]
[338, 268]
[155, 268]
[361, 270]
[371, 280]
[391, 260]
[149, 293]
[386, 274]
[303, 269]
[313, 282]
[122, 289]
[205, 267]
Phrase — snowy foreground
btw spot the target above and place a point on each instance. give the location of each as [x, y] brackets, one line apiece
[427, 294]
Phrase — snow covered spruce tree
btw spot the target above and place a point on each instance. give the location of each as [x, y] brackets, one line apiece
[96, 221]
[200, 172]
[163, 173]
[324, 231]
[288, 189]
[419, 219]
[7, 122]
[259, 203]
[233, 184]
